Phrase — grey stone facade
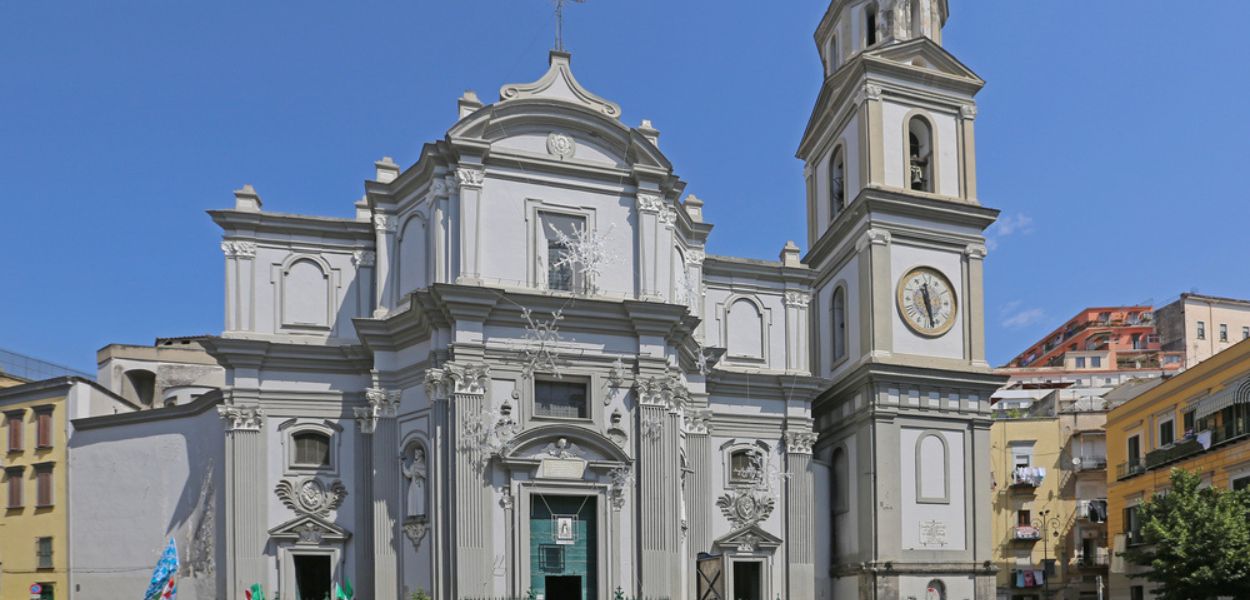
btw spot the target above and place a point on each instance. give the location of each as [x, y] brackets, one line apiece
[529, 374]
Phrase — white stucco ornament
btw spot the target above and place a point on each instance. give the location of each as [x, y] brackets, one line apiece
[745, 508]
[309, 496]
[560, 144]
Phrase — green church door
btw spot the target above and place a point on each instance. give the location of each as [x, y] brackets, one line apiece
[563, 564]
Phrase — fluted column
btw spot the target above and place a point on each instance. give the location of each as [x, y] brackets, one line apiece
[659, 485]
[698, 490]
[800, 515]
[246, 518]
[378, 420]
[649, 205]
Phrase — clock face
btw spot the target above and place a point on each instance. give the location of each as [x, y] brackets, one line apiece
[926, 301]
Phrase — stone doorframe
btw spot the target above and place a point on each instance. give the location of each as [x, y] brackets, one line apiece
[286, 565]
[607, 531]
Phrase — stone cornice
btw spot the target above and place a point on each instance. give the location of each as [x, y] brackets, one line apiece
[771, 386]
[234, 353]
[277, 228]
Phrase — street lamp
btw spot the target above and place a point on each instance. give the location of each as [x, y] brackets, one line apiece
[1045, 523]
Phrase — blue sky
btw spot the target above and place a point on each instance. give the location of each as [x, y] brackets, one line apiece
[1112, 135]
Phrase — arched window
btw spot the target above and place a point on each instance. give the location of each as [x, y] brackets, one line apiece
[311, 449]
[837, 183]
[839, 323]
[870, 24]
[305, 294]
[745, 330]
[936, 590]
[919, 155]
[140, 387]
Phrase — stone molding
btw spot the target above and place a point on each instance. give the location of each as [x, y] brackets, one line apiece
[242, 418]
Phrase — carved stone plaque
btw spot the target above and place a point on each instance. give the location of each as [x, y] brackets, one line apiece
[562, 468]
[933, 533]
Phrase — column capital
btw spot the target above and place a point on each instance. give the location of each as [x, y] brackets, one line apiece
[242, 418]
[470, 177]
[696, 256]
[968, 112]
[868, 92]
[797, 299]
[874, 237]
[799, 441]
[698, 422]
[649, 202]
[238, 249]
[385, 223]
[667, 391]
[976, 251]
[383, 404]
[364, 258]
[453, 378]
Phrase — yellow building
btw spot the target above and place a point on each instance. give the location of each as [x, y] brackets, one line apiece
[34, 439]
[1199, 421]
[1049, 502]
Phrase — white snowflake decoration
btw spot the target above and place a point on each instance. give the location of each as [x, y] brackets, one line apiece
[542, 339]
[588, 252]
[487, 434]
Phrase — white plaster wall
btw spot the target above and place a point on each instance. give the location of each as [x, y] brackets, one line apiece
[509, 232]
[903, 258]
[913, 513]
[268, 292]
[822, 477]
[894, 117]
[530, 140]
[848, 138]
[719, 298]
[132, 488]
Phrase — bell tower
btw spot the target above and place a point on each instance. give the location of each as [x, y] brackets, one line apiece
[895, 231]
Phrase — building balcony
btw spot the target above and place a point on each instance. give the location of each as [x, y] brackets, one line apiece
[1027, 477]
[1092, 511]
[1089, 463]
[1099, 560]
[1026, 533]
[1125, 470]
[1181, 449]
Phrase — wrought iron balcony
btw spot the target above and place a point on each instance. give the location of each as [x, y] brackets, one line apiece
[1125, 470]
[1090, 463]
[1175, 452]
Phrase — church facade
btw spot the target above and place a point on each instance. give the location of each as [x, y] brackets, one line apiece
[518, 370]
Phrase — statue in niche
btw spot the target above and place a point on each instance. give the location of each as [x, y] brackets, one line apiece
[415, 470]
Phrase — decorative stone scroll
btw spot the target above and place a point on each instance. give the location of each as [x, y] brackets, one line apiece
[242, 418]
[309, 496]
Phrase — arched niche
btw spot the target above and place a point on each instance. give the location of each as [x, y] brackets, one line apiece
[745, 329]
[306, 293]
[413, 268]
[933, 481]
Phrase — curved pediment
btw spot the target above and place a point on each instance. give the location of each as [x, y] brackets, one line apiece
[581, 443]
[558, 83]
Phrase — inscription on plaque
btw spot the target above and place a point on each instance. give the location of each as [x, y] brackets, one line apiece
[932, 533]
[562, 468]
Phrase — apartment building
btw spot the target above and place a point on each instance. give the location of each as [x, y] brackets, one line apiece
[1199, 421]
[1197, 326]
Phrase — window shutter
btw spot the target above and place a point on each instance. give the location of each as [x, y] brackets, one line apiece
[44, 430]
[44, 487]
[15, 434]
[15, 490]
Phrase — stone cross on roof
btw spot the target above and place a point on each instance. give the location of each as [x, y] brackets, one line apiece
[560, 22]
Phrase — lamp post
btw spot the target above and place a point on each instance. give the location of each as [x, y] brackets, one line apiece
[1045, 523]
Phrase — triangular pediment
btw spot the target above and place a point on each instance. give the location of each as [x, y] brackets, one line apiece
[308, 529]
[923, 53]
[747, 539]
[558, 83]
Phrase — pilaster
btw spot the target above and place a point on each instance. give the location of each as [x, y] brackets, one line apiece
[967, 153]
[240, 265]
[797, 346]
[385, 226]
[699, 499]
[377, 420]
[974, 299]
[876, 290]
[872, 137]
[470, 179]
[800, 514]
[649, 205]
[246, 514]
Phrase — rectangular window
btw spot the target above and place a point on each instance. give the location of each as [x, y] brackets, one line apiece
[1132, 528]
[43, 431]
[1202, 330]
[1080, 362]
[1095, 361]
[1223, 332]
[1167, 432]
[43, 486]
[1134, 451]
[13, 481]
[1189, 422]
[43, 553]
[1137, 592]
[1245, 333]
[566, 399]
[13, 422]
[1023, 518]
[559, 232]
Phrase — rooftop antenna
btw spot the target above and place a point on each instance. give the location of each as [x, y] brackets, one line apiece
[560, 22]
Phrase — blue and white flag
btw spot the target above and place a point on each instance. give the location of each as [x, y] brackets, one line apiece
[162, 586]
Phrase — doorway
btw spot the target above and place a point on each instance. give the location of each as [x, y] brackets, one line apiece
[312, 577]
[563, 587]
[748, 581]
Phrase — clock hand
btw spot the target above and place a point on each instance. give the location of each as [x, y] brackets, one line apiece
[928, 304]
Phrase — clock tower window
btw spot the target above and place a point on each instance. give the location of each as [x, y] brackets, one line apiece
[837, 183]
[870, 25]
